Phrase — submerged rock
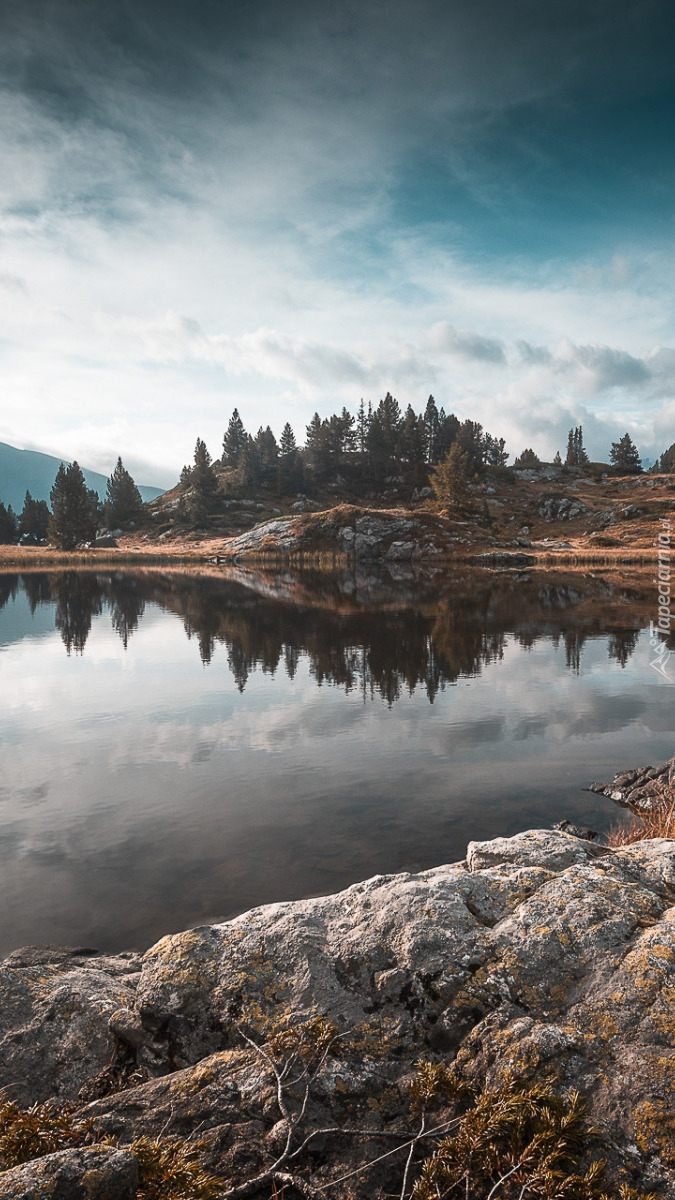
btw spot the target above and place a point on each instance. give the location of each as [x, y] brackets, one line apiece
[542, 954]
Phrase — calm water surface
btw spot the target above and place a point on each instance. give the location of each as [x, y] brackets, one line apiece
[177, 750]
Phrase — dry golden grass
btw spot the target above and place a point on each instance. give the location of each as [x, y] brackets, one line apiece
[659, 824]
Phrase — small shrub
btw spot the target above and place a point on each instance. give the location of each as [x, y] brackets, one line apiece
[29, 1133]
[519, 1142]
[170, 1170]
[657, 824]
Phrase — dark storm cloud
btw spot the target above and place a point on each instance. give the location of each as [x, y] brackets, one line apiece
[413, 72]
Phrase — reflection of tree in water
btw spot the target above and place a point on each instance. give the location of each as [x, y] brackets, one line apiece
[384, 649]
[9, 586]
[127, 605]
[37, 589]
[575, 641]
[78, 598]
[621, 644]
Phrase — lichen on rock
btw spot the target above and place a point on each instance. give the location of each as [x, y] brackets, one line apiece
[541, 954]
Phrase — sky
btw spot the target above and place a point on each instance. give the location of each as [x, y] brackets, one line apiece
[283, 207]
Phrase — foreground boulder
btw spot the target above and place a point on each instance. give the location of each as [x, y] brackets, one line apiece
[92, 1173]
[541, 955]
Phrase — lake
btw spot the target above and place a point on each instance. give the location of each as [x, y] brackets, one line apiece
[176, 749]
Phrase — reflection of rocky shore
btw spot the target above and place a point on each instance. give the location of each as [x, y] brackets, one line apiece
[645, 791]
[540, 954]
[360, 629]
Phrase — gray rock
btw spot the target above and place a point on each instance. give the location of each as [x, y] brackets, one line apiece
[644, 790]
[539, 847]
[542, 953]
[93, 1173]
[400, 550]
[560, 508]
[54, 1013]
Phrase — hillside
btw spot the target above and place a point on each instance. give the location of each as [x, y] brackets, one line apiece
[29, 470]
[527, 513]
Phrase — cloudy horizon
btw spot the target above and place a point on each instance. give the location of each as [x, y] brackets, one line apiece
[285, 209]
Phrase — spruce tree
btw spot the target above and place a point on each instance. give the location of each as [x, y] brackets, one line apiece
[625, 456]
[203, 481]
[431, 424]
[8, 529]
[123, 502]
[576, 453]
[287, 443]
[33, 520]
[527, 458]
[234, 440]
[74, 509]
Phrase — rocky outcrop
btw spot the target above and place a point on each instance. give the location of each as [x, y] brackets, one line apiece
[92, 1173]
[354, 534]
[645, 790]
[542, 953]
[560, 508]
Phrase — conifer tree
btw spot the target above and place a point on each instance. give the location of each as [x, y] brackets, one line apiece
[234, 440]
[8, 528]
[203, 482]
[33, 521]
[527, 458]
[625, 456]
[450, 478]
[431, 426]
[74, 514]
[287, 443]
[576, 453]
[123, 502]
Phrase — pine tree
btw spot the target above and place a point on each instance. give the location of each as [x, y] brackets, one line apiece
[287, 443]
[234, 440]
[557, 461]
[431, 425]
[8, 528]
[581, 455]
[625, 456]
[576, 453]
[74, 515]
[527, 458]
[203, 482]
[448, 429]
[123, 502]
[317, 447]
[413, 446]
[267, 450]
[471, 440]
[33, 521]
[665, 465]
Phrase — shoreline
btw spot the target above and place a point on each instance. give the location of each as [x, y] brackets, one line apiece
[539, 961]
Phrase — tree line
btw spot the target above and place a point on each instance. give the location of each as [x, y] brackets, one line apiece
[379, 450]
[76, 512]
[376, 452]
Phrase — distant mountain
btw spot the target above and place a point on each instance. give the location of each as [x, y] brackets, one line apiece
[28, 470]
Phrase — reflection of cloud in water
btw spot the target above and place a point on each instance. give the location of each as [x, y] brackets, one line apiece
[144, 791]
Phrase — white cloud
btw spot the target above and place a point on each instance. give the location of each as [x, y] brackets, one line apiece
[166, 257]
